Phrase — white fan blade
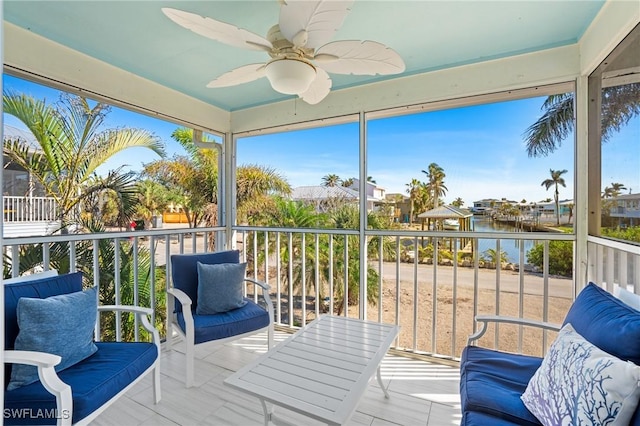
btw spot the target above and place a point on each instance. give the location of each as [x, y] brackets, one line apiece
[318, 89]
[320, 19]
[239, 75]
[359, 58]
[217, 30]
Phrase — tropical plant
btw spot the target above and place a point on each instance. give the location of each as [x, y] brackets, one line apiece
[413, 189]
[153, 198]
[348, 183]
[435, 183]
[555, 180]
[560, 257]
[458, 202]
[492, 255]
[71, 146]
[619, 105]
[331, 180]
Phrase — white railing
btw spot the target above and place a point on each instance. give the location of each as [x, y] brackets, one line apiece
[29, 209]
[433, 299]
[613, 262]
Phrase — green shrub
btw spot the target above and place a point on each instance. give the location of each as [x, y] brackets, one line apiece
[560, 257]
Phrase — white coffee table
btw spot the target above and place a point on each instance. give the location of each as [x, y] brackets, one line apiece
[321, 371]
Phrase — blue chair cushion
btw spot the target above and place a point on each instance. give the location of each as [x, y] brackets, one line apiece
[249, 318]
[475, 418]
[93, 381]
[45, 287]
[606, 322]
[492, 382]
[184, 271]
[220, 287]
[62, 325]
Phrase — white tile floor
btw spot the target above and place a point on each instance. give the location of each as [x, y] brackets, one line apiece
[422, 393]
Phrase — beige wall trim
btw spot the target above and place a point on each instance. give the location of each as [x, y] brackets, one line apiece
[534, 69]
[616, 19]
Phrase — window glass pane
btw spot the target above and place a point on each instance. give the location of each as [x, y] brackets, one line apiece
[474, 161]
[619, 77]
[305, 178]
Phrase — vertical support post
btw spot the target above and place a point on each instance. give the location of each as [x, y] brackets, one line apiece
[587, 187]
[362, 187]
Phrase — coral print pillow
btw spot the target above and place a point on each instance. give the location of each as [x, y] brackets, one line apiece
[579, 384]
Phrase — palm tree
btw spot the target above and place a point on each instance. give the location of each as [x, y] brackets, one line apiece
[458, 202]
[348, 183]
[413, 188]
[616, 189]
[331, 180]
[619, 105]
[555, 180]
[435, 183]
[72, 144]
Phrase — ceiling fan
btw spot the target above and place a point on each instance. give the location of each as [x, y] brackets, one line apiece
[301, 55]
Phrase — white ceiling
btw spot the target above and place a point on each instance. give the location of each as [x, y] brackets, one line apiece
[429, 35]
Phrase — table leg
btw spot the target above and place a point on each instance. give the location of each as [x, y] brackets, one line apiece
[267, 414]
[386, 394]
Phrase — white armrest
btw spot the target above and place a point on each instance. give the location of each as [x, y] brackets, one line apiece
[486, 319]
[38, 359]
[265, 294]
[46, 363]
[182, 297]
[142, 314]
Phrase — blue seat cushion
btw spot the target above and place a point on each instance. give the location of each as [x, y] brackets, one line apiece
[492, 382]
[248, 318]
[475, 418]
[93, 381]
[184, 271]
[606, 322]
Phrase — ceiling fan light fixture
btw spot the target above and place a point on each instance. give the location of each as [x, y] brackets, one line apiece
[290, 76]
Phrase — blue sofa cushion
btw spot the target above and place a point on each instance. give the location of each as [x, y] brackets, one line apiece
[476, 418]
[93, 382]
[62, 325]
[492, 382]
[220, 287]
[41, 288]
[606, 322]
[184, 271]
[250, 317]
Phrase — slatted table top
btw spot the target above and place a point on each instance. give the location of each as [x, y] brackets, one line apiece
[322, 370]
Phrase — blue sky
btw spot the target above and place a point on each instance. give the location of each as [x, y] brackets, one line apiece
[481, 149]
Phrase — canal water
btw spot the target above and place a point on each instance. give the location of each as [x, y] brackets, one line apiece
[511, 247]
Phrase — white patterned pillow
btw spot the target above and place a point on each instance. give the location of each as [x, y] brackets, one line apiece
[577, 383]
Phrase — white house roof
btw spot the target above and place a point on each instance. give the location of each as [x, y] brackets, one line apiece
[446, 212]
[323, 192]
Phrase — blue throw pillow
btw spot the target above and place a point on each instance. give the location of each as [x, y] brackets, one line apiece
[606, 322]
[220, 287]
[62, 325]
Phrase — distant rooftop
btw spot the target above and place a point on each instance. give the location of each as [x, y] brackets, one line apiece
[11, 132]
[323, 193]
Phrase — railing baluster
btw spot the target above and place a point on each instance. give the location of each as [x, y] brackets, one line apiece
[454, 296]
[498, 261]
[116, 274]
[545, 294]
[345, 294]
[397, 318]
[136, 290]
[290, 308]
[331, 299]
[434, 293]
[303, 271]
[380, 275]
[278, 280]
[96, 279]
[316, 283]
[416, 297]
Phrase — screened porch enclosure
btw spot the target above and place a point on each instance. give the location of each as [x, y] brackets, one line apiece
[358, 271]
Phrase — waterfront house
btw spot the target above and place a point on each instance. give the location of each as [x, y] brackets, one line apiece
[457, 54]
[626, 209]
